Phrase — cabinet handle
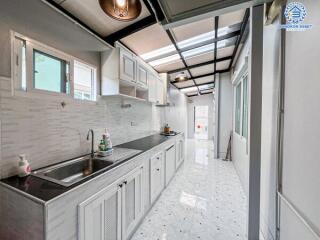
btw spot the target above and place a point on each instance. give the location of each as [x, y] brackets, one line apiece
[158, 158]
[158, 169]
[125, 182]
[120, 185]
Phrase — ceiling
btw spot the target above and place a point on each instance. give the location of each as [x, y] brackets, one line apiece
[200, 49]
[191, 49]
[90, 12]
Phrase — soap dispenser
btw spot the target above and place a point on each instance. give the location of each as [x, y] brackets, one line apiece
[24, 168]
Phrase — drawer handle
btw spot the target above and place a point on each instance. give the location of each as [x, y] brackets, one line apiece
[158, 169]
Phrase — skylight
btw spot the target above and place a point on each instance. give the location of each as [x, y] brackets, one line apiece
[158, 52]
[190, 89]
[165, 60]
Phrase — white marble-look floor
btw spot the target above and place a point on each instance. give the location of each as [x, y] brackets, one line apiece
[205, 201]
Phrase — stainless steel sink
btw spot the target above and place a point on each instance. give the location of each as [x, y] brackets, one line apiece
[73, 171]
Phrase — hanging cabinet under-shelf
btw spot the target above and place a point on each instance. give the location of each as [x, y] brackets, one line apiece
[125, 74]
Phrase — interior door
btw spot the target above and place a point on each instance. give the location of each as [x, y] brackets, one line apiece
[100, 215]
[201, 122]
[132, 201]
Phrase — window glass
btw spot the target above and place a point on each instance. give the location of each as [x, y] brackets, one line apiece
[84, 80]
[238, 109]
[245, 108]
[50, 73]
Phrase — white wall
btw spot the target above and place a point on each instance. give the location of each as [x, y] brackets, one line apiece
[204, 100]
[224, 118]
[40, 127]
[270, 94]
[240, 155]
[301, 163]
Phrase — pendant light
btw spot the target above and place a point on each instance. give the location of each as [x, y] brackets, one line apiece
[122, 10]
[181, 77]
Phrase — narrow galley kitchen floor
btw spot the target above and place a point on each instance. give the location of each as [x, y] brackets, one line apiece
[204, 201]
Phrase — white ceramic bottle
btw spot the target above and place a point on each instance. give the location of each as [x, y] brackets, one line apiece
[24, 168]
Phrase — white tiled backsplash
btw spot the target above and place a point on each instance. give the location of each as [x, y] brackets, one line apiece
[48, 133]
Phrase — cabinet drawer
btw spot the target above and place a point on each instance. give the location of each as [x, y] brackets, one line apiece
[156, 176]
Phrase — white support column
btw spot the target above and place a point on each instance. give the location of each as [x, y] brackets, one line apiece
[255, 105]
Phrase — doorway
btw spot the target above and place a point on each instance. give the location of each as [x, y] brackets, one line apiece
[201, 120]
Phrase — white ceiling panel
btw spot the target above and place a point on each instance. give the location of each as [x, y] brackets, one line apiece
[222, 65]
[192, 93]
[193, 29]
[204, 87]
[225, 52]
[202, 70]
[169, 67]
[185, 84]
[90, 12]
[231, 18]
[207, 91]
[147, 40]
[204, 80]
[200, 59]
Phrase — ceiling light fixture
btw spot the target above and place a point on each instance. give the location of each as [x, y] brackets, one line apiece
[181, 77]
[122, 10]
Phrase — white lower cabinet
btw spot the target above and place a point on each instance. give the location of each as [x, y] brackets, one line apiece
[114, 212]
[100, 215]
[179, 152]
[156, 176]
[170, 163]
[132, 202]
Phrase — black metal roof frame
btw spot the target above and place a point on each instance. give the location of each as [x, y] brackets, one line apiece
[157, 15]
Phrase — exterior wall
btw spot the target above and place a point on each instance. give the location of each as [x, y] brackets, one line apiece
[301, 134]
[204, 100]
[270, 96]
[225, 113]
[240, 155]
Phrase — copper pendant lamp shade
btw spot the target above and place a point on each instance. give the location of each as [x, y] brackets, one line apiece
[122, 10]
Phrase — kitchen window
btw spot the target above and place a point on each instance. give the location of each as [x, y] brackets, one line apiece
[50, 73]
[84, 81]
[38, 68]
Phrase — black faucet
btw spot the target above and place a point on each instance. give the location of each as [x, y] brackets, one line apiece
[92, 141]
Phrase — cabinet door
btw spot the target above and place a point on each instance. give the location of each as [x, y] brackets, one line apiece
[170, 160]
[156, 176]
[152, 91]
[127, 66]
[132, 201]
[100, 215]
[179, 152]
[142, 78]
[159, 89]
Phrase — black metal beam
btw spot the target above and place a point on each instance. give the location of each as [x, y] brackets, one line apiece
[173, 41]
[242, 30]
[216, 26]
[205, 75]
[201, 64]
[215, 40]
[155, 9]
[135, 27]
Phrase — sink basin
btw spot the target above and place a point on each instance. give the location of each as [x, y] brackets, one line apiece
[73, 171]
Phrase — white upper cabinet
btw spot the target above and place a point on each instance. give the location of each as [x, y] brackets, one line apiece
[128, 66]
[124, 74]
[152, 88]
[142, 75]
[160, 91]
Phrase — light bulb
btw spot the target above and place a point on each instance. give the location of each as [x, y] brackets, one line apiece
[120, 8]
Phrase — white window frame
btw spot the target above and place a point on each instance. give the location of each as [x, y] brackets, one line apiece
[238, 79]
[30, 91]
